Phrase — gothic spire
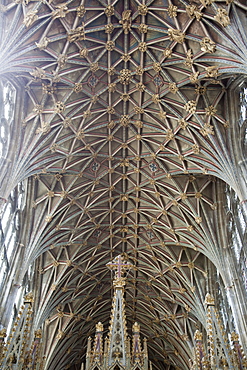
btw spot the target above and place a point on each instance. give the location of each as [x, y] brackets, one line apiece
[117, 344]
[118, 347]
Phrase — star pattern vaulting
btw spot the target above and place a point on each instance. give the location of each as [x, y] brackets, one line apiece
[123, 133]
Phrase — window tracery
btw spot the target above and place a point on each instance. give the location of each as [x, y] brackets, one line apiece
[243, 105]
[237, 231]
[7, 103]
[9, 229]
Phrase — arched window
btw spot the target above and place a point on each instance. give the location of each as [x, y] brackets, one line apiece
[243, 105]
[7, 103]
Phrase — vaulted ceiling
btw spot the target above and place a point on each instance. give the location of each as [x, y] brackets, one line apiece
[122, 127]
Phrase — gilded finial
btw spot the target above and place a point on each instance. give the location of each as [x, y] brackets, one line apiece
[209, 300]
[136, 328]
[198, 335]
[234, 337]
[99, 327]
[38, 333]
[28, 298]
[3, 333]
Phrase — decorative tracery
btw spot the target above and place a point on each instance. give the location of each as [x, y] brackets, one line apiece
[125, 128]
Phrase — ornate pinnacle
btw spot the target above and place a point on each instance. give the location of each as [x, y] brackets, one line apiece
[234, 337]
[99, 327]
[115, 348]
[38, 334]
[198, 335]
[28, 298]
[3, 333]
[209, 300]
[136, 328]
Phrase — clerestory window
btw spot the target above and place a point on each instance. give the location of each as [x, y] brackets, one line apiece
[7, 103]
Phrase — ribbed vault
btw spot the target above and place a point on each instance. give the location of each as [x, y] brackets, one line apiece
[122, 128]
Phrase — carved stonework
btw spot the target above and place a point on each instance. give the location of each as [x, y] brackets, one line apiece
[110, 45]
[109, 28]
[77, 34]
[234, 337]
[81, 11]
[155, 98]
[143, 9]
[30, 18]
[212, 71]
[189, 58]
[114, 132]
[126, 21]
[29, 298]
[173, 88]
[60, 12]
[206, 2]
[143, 28]
[109, 10]
[222, 17]
[43, 43]
[176, 35]
[142, 47]
[38, 73]
[84, 52]
[115, 348]
[193, 11]
[214, 348]
[190, 106]
[194, 77]
[207, 129]
[172, 11]
[99, 327]
[125, 76]
[198, 335]
[208, 45]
